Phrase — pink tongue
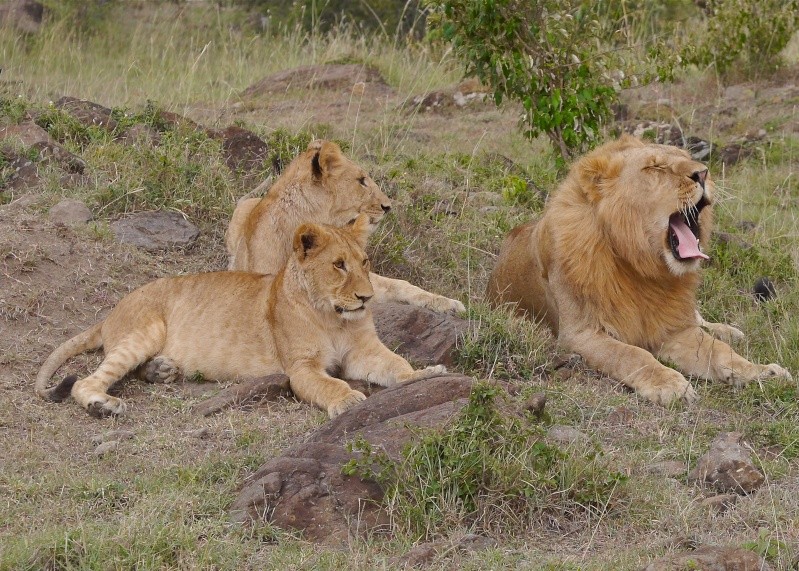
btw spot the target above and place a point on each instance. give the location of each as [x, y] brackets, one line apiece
[688, 246]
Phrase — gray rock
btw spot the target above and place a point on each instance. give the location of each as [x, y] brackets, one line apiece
[112, 435]
[711, 558]
[327, 76]
[106, 447]
[26, 134]
[153, 231]
[70, 213]
[422, 336]
[565, 435]
[727, 467]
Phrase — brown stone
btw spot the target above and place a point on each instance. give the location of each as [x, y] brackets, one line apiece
[422, 336]
[244, 151]
[329, 77]
[727, 467]
[88, 113]
[264, 388]
[304, 488]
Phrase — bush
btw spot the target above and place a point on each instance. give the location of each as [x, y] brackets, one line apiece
[552, 56]
[745, 35]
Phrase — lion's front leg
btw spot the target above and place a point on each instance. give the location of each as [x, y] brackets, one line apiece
[310, 383]
[633, 366]
[389, 289]
[374, 362]
[721, 331]
[699, 354]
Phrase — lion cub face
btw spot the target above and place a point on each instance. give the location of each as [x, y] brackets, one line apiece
[353, 190]
[656, 203]
[335, 267]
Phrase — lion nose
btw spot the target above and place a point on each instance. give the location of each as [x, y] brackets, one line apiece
[700, 177]
[385, 207]
[363, 298]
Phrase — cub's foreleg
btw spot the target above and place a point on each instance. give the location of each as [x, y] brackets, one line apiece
[698, 353]
[372, 361]
[390, 289]
[310, 383]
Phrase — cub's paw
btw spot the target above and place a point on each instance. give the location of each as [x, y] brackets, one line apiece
[773, 371]
[441, 304]
[667, 386]
[345, 403]
[161, 370]
[105, 405]
[426, 373]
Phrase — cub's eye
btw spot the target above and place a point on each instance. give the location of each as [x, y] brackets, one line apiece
[362, 180]
[340, 265]
[366, 263]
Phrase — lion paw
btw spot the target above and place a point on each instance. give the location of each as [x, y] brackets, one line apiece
[774, 371]
[441, 304]
[345, 403]
[106, 405]
[161, 370]
[426, 373]
[668, 387]
[726, 333]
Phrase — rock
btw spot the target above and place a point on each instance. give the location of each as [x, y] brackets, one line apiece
[106, 447]
[24, 171]
[711, 558]
[329, 77]
[140, 135]
[668, 468]
[88, 113]
[155, 231]
[26, 134]
[422, 336]
[764, 289]
[200, 433]
[30, 135]
[304, 488]
[244, 151]
[565, 435]
[424, 553]
[727, 467]
[536, 403]
[657, 131]
[720, 503]
[732, 153]
[70, 213]
[23, 15]
[53, 152]
[269, 387]
[112, 435]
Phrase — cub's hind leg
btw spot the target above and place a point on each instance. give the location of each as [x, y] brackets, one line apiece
[121, 357]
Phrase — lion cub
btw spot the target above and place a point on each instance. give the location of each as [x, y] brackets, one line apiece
[311, 317]
[320, 185]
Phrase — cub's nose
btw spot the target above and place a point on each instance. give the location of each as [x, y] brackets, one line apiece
[700, 177]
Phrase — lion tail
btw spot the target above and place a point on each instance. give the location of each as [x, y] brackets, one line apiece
[86, 341]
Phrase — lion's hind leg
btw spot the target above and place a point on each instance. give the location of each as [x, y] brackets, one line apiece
[125, 355]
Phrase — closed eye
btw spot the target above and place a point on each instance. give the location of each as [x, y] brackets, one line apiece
[362, 180]
[340, 265]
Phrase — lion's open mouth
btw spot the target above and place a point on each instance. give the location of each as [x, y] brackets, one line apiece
[683, 235]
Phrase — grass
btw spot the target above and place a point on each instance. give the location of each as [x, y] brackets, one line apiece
[460, 181]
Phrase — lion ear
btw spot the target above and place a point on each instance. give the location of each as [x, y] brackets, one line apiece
[360, 229]
[595, 173]
[327, 159]
[309, 239]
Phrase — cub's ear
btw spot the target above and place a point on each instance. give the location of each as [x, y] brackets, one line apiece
[596, 172]
[309, 239]
[359, 228]
[327, 159]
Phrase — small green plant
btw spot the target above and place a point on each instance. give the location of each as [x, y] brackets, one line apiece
[490, 469]
[766, 545]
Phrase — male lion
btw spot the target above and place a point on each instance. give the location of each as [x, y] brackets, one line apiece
[612, 267]
[320, 185]
[311, 317]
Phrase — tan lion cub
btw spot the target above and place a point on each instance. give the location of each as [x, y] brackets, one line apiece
[309, 318]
